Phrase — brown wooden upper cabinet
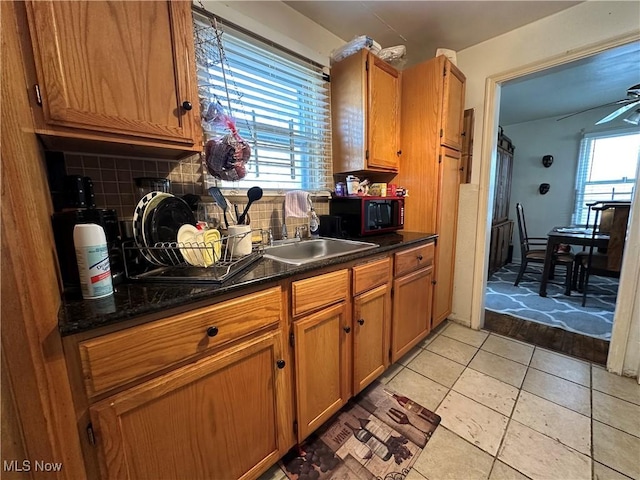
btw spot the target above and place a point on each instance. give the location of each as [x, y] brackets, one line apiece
[365, 114]
[453, 105]
[115, 72]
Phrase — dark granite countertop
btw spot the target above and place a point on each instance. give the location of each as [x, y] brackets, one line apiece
[135, 299]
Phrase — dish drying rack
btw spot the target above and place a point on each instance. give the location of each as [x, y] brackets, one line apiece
[165, 261]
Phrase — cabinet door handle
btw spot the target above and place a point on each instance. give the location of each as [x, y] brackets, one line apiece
[347, 329]
[187, 105]
[399, 152]
[361, 321]
[280, 364]
[419, 258]
[212, 331]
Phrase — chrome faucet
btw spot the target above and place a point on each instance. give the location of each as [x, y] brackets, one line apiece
[284, 234]
[299, 231]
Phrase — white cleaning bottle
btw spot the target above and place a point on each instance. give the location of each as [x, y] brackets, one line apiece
[314, 224]
[92, 256]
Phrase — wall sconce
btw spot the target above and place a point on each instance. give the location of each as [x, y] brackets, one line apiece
[547, 160]
[544, 188]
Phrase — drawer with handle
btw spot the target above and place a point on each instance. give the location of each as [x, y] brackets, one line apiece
[414, 258]
[319, 291]
[118, 358]
[370, 275]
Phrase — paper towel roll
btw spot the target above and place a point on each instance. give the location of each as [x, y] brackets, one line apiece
[450, 54]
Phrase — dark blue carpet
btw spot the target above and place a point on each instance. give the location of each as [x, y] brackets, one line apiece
[557, 309]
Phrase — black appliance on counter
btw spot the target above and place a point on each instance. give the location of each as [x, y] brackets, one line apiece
[368, 215]
[63, 224]
[331, 226]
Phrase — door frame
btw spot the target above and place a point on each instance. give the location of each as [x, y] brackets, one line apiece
[629, 278]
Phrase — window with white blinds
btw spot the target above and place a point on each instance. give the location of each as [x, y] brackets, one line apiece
[280, 103]
[607, 169]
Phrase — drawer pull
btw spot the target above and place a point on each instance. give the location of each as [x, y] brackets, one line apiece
[419, 258]
[347, 329]
[212, 331]
[280, 364]
[361, 321]
[187, 105]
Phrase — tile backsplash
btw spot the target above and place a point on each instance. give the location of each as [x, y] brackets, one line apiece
[114, 187]
[113, 178]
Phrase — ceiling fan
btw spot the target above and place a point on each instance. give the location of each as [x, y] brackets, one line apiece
[626, 104]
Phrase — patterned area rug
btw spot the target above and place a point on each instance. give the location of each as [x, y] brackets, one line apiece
[379, 434]
[557, 309]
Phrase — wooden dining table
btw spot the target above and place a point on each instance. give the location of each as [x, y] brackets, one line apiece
[572, 236]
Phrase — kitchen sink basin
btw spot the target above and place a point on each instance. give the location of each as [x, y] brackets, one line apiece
[307, 251]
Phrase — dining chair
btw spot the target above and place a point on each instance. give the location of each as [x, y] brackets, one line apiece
[609, 218]
[528, 254]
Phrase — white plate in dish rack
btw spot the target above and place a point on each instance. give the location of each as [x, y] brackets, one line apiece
[187, 239]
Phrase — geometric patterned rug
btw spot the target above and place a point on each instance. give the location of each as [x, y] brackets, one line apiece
[379, 434]
[556, 309]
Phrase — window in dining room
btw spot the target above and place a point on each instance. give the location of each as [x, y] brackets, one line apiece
[607, 169]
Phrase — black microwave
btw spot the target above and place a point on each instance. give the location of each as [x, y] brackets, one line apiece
[368, 215]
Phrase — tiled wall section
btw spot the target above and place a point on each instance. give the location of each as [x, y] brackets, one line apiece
[114, 186]
[113, 178]
[265, 213]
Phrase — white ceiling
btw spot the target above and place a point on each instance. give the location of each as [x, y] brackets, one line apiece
[575, 86]
[424, 26]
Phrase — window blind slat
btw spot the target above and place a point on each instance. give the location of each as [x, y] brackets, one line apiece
[259, 93]
[607, 168]
[280, 104]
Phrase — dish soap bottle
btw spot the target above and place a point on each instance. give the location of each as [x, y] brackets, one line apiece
[314, 224]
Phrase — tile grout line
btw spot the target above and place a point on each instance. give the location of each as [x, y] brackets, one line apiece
[510, 418]
[504, 436]
[615, 428]
[561, 378]
[520, 389]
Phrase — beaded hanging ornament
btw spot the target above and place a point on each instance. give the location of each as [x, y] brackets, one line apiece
[225, 156]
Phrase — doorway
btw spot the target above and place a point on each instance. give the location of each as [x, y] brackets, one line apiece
[492, 99]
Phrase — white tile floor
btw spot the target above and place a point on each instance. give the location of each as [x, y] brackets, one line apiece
[514, 411]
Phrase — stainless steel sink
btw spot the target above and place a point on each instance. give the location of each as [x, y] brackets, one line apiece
[307, 251]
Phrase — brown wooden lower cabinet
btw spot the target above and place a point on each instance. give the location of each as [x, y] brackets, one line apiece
[216, 418]
[230, 414]
[371, 321]
[321, 365]
[412, 296]
[340, 350]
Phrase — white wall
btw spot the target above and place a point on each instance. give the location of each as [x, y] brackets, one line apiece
[548, 137]
[281, 24]
[554, 37]
[533, 140]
